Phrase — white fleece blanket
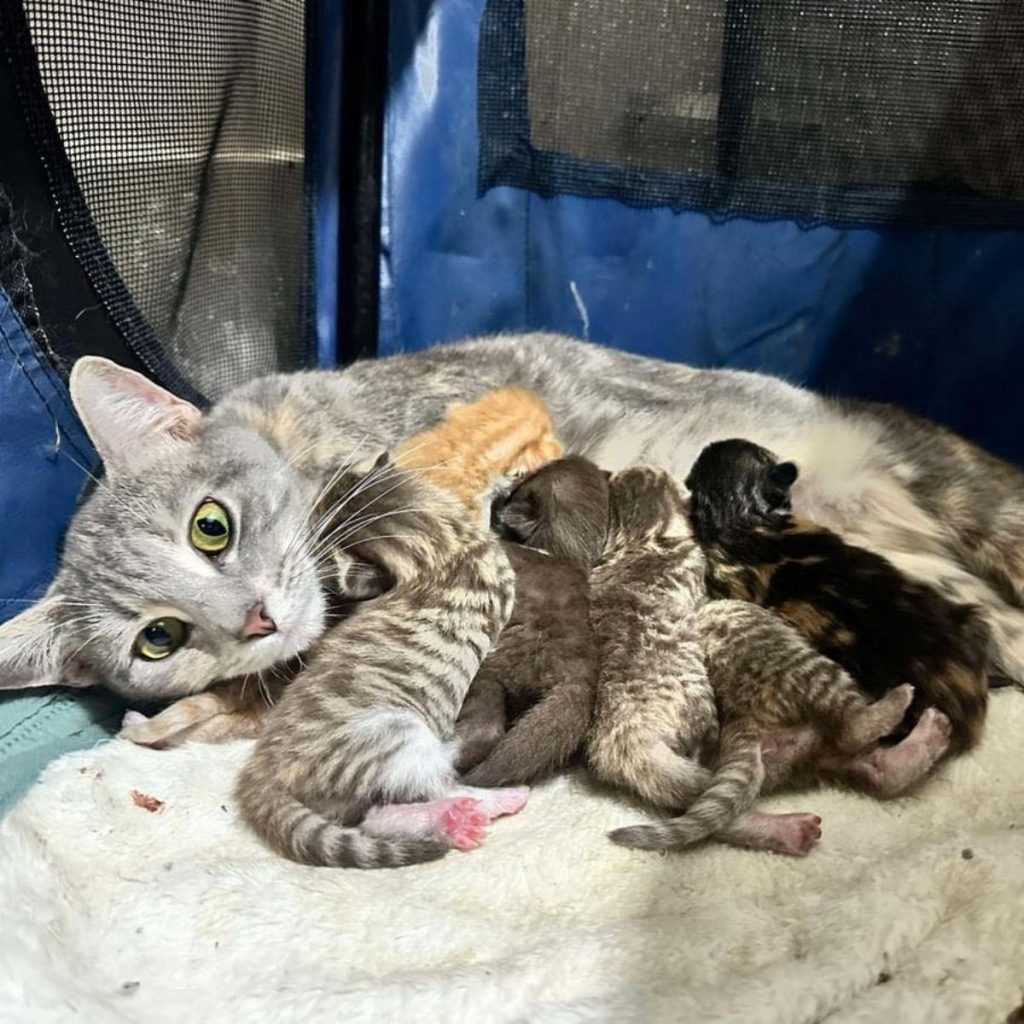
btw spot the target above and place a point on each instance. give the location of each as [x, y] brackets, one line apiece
[908, 911]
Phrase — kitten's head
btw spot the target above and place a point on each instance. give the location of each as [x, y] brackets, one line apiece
[186, 565]
[736, 481]
[561, 508]
[646, 505]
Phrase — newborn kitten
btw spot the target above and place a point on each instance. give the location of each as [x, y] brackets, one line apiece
[654, 713]
[353, 766]
[547, 649]
[852, 604]
[804, 709]
[505, 433]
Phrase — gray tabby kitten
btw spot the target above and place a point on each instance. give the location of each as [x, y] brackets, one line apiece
[654, 713]
[939, 508]
[775, 693]
[368, 726]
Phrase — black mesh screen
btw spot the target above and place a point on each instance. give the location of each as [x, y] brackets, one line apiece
[181, 123]
[868, 111]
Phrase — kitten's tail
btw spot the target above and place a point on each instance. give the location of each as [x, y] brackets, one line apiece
[734, 787]
[294, 830]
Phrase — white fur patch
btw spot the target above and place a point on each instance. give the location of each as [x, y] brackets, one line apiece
[422, 766]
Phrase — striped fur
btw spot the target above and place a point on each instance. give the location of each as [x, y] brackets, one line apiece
[782, 707]
[655, 713]
[370, 721]
[506, 432]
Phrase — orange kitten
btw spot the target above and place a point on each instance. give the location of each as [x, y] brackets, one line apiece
[507, 432]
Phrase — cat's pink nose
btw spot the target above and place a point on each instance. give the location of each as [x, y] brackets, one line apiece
[257, 623]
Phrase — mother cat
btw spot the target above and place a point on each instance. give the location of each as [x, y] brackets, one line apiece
[192, 563]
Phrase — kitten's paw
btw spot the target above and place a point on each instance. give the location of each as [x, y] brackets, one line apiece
[934, 730]
[463, 824]
[795, 834]
[133, 718]
[900, 698]
[498, 803]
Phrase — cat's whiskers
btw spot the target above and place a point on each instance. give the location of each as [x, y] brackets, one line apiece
[335, 539]
[354, 522]
[346, 464]
[378, 474]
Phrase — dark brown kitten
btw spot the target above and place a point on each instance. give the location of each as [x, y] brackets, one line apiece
[853, 605]
[543, 668]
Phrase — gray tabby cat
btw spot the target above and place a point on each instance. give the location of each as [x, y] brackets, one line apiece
[354, 765]
[936, 506]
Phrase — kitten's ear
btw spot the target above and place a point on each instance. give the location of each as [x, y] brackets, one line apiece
[516, 519]
[131, 421]
[783, 474]
[362, 581]
[32, 650]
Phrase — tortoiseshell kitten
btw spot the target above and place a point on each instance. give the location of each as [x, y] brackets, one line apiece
[853, 605]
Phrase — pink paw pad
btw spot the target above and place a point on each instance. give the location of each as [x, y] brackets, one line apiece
[797, 833]
[463, 823]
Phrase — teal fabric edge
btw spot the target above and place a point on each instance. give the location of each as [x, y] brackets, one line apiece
[39, 725]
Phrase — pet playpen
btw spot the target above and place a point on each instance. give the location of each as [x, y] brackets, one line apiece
[207, 191]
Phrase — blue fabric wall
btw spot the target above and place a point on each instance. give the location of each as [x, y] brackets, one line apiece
[42, 448]
[930, 319]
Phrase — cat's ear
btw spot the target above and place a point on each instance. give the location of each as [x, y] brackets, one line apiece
[32, 650]
[132, 422]
[783, 474]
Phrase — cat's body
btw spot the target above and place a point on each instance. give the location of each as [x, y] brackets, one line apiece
[809, 715]
[898, 488]
[370, 722]
[655, 717]
[543, 670]
[540, 675]
[853, 605]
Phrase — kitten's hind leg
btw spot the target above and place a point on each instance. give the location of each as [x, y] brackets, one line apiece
[792, 834]
[544, 738]
[890, 771]
[481, 723]
[864, 725]
[459, 821]
[497, 803]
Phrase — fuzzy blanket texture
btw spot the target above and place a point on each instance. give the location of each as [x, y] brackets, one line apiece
[115, 907]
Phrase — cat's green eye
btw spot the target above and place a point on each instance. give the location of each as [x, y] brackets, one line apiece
[160, 638]
[210, 532]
